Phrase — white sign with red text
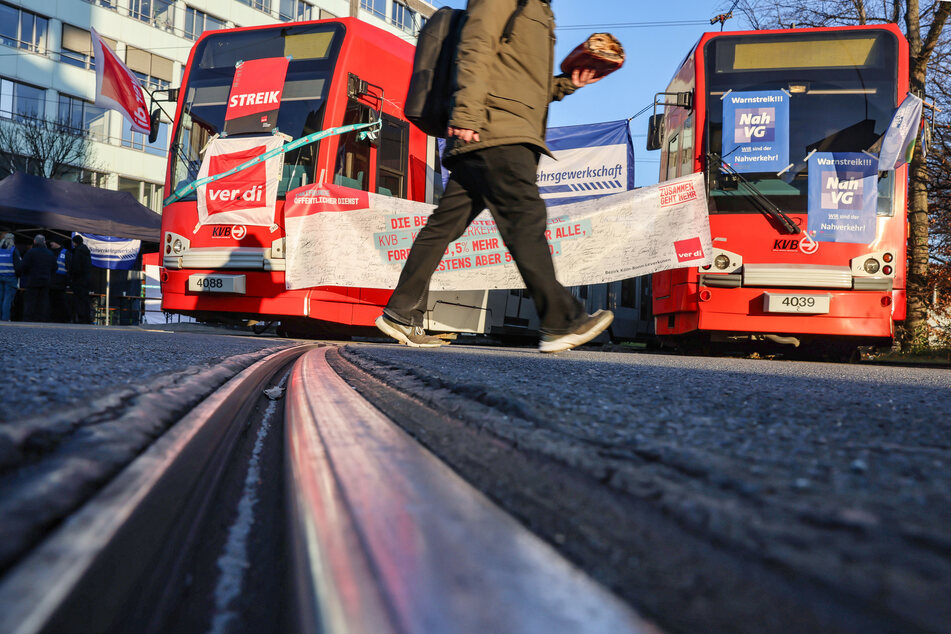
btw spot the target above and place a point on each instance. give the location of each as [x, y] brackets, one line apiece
[247, 197]
[343, 237]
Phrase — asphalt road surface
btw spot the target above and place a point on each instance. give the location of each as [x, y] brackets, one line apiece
[714, 494]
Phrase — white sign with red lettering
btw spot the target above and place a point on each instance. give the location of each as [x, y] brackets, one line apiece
[247, 197]
[344, 237]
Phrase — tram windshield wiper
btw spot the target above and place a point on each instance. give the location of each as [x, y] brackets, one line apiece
[762, 202]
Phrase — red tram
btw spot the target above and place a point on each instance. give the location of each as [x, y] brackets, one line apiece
[771, 280]
[338, 73]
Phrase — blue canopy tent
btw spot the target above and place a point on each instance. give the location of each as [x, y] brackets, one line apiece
[53, 204]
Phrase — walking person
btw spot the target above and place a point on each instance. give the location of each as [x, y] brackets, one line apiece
[79, 274]
[36, 273]
[9, 263]
[59, 309]
[496, 134]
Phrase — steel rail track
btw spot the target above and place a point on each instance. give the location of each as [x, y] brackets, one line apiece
[386, 538]
[105, 567]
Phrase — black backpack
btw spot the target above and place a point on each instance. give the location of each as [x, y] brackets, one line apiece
[431, 85]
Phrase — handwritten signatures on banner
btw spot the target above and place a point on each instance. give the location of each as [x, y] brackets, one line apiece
[480, 246]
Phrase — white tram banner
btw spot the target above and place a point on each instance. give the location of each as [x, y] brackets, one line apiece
[338, 236]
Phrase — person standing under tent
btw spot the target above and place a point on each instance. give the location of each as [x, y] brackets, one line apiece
[59, 309]
[36, 273]
[9, 263]
[79, 274]
[496, 134]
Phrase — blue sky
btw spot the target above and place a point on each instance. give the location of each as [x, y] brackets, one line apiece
[653, 53]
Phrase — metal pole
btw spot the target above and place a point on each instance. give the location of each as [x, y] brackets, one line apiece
[108, 271]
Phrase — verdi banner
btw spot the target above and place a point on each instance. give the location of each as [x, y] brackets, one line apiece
[247, 197]
[843, 197]
[343, 237]
[756, 130]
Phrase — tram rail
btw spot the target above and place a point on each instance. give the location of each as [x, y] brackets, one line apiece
[383, 536]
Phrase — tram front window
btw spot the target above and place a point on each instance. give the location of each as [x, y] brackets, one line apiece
[841, 91]
[313, 53]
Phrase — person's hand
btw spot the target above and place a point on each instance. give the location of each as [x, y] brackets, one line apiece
[464, 135]
[582, 77]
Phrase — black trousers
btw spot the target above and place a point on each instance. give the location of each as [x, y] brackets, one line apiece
[81, 308]
[501, 179]
[36, 304]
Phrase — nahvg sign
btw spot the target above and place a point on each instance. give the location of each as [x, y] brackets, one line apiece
[843, 197]
[248, 196]
[255, 97]
[756, 130]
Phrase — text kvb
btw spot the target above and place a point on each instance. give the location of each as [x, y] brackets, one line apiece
[755, 125]
[254, 98]
[251, 195]
[842, 191]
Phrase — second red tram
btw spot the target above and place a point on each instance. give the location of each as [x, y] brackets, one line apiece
[771, 280]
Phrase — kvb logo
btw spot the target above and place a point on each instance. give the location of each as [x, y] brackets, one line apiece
[242, 190]
[754, 125]
[841, 192]
[239, 231]
[689, 249]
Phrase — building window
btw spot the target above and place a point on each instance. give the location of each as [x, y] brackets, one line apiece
[260, 5]
[84, 176]
[296, 11]
[76, 47]
[82, 116]
[149, 194]
[153, 71]
[139, 141]
[376, 7]
[197, 22]
[326, 15]
[158, 13]
[21, 101]
[23, 29]
[403, 17]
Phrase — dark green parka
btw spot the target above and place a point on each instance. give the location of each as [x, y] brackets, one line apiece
[503, 88]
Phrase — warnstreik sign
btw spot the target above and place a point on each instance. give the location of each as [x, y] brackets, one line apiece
[756, 130]
[342, 237]
[843, 197]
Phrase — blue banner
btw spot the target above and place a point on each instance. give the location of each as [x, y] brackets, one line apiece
[756, 131]
[111, 253]
[843, 197]
[592, 160]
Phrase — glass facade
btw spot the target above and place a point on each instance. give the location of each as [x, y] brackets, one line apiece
[23, 29]
[19, 101]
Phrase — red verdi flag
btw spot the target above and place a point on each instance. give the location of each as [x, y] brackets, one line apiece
[255, 97]
[117, 88]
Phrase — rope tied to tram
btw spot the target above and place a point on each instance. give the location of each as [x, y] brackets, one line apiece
[368, 129]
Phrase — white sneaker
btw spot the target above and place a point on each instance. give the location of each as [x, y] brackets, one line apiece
[587, 330]
[412, 336]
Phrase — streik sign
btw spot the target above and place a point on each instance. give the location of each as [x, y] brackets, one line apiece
[756, 131]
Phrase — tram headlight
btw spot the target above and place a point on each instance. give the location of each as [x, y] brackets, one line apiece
[871, 266]
[721, 262]
[177, 246]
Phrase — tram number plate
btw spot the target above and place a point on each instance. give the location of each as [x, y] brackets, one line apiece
[799, 303]
[217, 284]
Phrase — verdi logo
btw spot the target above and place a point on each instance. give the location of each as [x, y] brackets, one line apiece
[242, 190]
[841, 191]
[689, 249]
[755, 124]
